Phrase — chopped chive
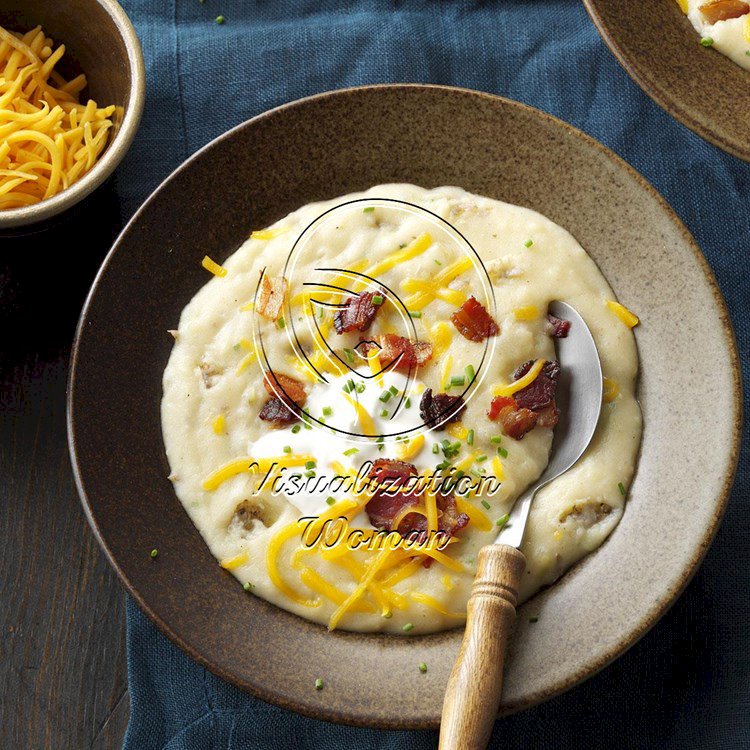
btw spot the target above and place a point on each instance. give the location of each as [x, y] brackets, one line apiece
[349, 354]
[154, 553]
[437, 262]
[309, 464]
[331, 500]
[422, 667]
[436, 448]
[377, 299]
[458, 380]
[621, 487]
[407, 403]
[380, 438]
[496, 439]
[351, 451]
[319, 684]
[247, 586]
[469, 369]
[287, 449]
[475, 473]
[502, 452]
[528, 243]
[459, 474]
[748, 53]
[327, 411]
[385, 397]
[236, 347]
[470, 438]
[384, 413]
[388, 614]
[415, 313]
[443, 465]
[220, 20]
[534, 618]
[502, 520]
[296, 429]
[406, 628]
[310, 474]
[707, 41]
[368, 210]
[393, 390]
[360, 388]
[481, 458]
[280, 323]
[307, 426]
[486, 505]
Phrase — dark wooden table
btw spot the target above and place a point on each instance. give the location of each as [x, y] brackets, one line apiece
[62, 648]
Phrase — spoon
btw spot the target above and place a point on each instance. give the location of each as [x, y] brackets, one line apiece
[473, 693]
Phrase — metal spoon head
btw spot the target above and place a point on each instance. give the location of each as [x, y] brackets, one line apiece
[579, 398]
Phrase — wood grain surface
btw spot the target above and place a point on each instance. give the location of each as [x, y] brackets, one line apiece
[62, 638]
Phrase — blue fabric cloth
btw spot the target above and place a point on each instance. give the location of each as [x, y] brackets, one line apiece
[687, 683]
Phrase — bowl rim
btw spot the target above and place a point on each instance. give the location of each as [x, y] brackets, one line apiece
[660, 94]
[629, 639]
[114, 153]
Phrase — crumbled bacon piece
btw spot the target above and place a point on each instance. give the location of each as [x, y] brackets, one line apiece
[473, 321]
[440, 408]
[385, 506]
[357, 313]
[516, 421]
[723, 10]
[277, 412]
[285, 388]
[560, 327]
[541, 392]
[394, 347]
[271, 298]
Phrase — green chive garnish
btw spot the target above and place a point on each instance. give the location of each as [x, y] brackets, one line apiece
[287, 449]
[458, 380]
[502, 520]
[486, 505]
[331, 500]
[296, 429]
[385, 397]
[388, 614]
[368, 210]
[377, 299]
[280, 323]
[407, 403]
[502, 452]
[415, 313]
[327, 411]
[349, 354]
[469, 369]
[351, 451]
[481, 458]
[220, 20]
[496, 439]
[384, 412]
[406, 628]
[470, 438]
[310, 474]
[422, 667]
[360, 388]
[247, 586]
[309, 464]
[437, 262]
[436, 448]
[393, 390]
[621, 487]
[319, 684]
[154, 552]
[528, 243]
[707, 41]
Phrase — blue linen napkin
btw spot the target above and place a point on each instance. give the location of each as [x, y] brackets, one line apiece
[687, 683]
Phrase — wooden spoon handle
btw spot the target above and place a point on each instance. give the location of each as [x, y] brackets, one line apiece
[473, 693]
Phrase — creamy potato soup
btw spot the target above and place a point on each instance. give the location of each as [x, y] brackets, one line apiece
[360, 392]
[722, 24]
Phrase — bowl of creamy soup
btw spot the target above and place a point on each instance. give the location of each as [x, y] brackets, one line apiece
[300, 406]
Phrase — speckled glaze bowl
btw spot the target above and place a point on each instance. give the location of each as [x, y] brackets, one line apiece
[100, 41]
[334, 144]
[659, 48]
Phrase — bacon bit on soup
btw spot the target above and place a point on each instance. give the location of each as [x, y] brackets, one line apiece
[541, 391]
[530, 407]
[271, 300]
[284, 387]
[516, 421]
[723, 10]
[560, 327]
[440, 408]
[278, 413]
[357, 313]
[397, 347]
[388, 506]
[473, 321]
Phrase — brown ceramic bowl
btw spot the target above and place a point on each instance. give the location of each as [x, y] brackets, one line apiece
[100, 41]
[333, 144]
[658, 46]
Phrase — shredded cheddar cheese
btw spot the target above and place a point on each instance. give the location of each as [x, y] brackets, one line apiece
[411, 449]
[412, 250]
[517, 385]
[683, 6]
[248, 465]
[497, 467]
[445, 372]
[50, 140]
[268, 234]
[611, 390]
[628, 318]
[373, 360]
[528, 312]
[747, 28]
[442, 337]
[425, 291]
[457, 430]
[234, 562]
[213, 266]
[432, 603]
[219, 425]
[476, 517]
[365, 420]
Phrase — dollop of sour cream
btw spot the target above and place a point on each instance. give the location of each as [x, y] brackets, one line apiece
[395, 417]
